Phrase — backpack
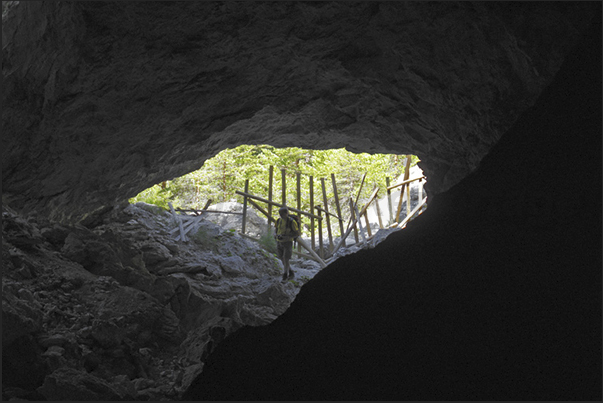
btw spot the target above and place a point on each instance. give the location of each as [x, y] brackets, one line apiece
[290, 220]
[297, 218]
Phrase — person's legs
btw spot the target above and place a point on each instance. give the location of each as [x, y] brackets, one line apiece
[286, 256]
[281, 253]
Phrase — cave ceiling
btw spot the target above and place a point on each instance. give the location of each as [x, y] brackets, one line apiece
[102, 100]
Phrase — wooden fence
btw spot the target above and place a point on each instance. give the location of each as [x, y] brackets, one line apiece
[320, 216]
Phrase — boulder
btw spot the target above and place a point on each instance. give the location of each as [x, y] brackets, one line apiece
[73, 385]
[19, 317]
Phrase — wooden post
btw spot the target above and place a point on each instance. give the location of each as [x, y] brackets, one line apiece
[408, 199]
[324, 199]
[245, 206]
[378, 213]
[353, 219]
[206, 205]
[406, 176]
[313, 240]
[343, 238]
[320, 245]
[360, 188]
[360, 222]
[420, 190]
[407, 167]
[354, 204]
[182, 236]
[270, 176]
[408, 217]
[368, 225]
[400, 203]
[389, 200]
[314, 255]
[283, 186]
[298, 180]
[337, 204]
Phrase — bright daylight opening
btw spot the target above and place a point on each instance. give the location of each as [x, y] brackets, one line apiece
[340, 197]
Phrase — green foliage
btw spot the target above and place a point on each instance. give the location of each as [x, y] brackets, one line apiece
[267, 241]
[221, 176]
[157, 195]
[203, 238]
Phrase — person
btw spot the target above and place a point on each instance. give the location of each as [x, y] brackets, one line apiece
[286, 231]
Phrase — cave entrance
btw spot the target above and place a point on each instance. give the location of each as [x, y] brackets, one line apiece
[343, 198]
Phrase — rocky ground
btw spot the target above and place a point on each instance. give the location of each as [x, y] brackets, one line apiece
[120, 310]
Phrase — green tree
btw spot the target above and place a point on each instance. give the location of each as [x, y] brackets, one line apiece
[221, 176]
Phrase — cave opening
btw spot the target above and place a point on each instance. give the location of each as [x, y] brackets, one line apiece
[101, 102]
[332, 186]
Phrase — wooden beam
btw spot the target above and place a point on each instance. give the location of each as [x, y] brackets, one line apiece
[368, 225]
[353, 219]
[342, 241]
[389, 201]
[360, 223]
[378, 214]
[406, 176]
[329, 213]
[206, 206]
[283, 186]
[413, 212]
[360, 189]
[298, 183]
[336, 196]
[179, 221]
[312, 240]
[320, 245]
[188, 217]
[404, 182]
[245, 206]
[314, 255]
[274, 203]
[399, 209]
[326, 210]
[408, 199]
[197, 212]
[261, 210]
[353, 205]
[270, 180]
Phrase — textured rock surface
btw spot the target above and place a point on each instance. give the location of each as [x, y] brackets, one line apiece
[121, 311]
[494, 293]
[102, 100]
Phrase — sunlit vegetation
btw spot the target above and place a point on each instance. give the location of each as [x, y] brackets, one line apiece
[221, 176]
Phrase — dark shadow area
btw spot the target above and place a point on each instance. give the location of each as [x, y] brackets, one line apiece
[493, 294]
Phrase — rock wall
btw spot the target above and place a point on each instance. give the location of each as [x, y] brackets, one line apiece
[102, 100]
[494, 293]
[123, 311]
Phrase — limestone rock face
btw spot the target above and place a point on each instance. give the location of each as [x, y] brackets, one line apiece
[102, 100]
[493, 293]
[123, 311]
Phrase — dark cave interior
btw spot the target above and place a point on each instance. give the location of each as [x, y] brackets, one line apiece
[494, 293]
